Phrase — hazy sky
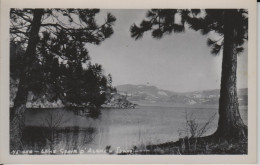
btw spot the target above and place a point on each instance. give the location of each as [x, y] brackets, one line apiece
[178, 62]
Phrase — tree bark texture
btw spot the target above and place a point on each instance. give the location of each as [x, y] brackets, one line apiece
[230, 125]
[17, 119]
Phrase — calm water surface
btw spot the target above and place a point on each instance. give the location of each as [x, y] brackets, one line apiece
[123, 128]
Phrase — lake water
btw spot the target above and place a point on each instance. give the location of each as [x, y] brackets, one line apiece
[122, 128]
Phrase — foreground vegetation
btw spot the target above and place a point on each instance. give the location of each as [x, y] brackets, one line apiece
[196, 146]
[193, 141]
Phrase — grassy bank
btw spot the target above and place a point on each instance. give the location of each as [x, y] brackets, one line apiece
[195, 146]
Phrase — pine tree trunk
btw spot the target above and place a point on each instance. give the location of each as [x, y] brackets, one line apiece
[230, 125]
[17, 119]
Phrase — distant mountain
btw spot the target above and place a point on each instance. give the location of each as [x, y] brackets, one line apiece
[144, 94]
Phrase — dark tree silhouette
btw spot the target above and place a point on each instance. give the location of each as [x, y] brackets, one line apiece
[49, 36]
[85, 87]
[109, 80]
[231, 28]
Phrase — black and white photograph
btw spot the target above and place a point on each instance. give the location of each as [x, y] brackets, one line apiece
[151, 81]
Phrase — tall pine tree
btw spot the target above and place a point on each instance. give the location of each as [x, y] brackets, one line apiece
[231, 26]
[49, 36]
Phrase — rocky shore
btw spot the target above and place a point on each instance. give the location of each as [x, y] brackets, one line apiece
[117, 101]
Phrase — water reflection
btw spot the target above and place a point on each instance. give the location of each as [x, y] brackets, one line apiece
[51, 134]
[115, 128]
[68, 138]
